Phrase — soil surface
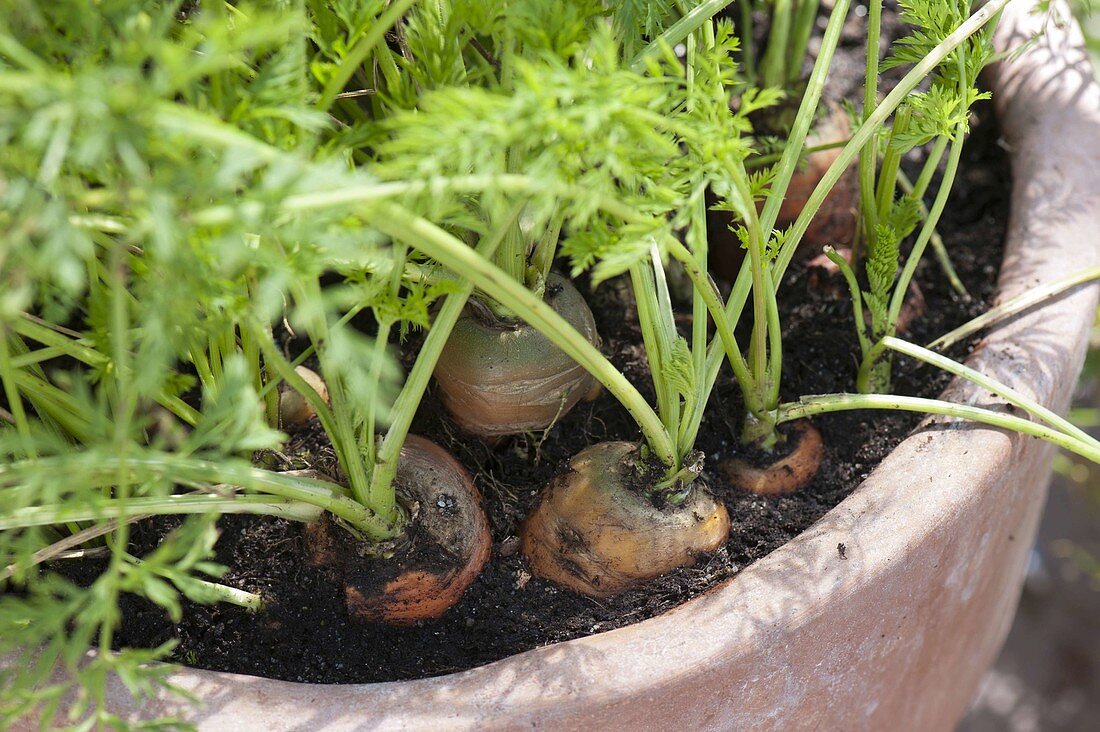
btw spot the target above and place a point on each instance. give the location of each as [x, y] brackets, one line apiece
[306, 634]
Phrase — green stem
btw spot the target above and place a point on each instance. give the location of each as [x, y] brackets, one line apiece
[507, 60]
[216, 360]
[11, 392]
[702, 285]
[202, 367]
[935, 155]
[28, 361]
[758, 425]
[391, 75]
[124, 397]
[874, 370]
[677, 32]
[38, 356]
[809, 406]
[512, 257]
[641, 282]
[868, 157]
[103, 470]
[705, 288]
[70, 412]
[285, 370]
[857, 298]
[250, 601]
[938, 205]
[995, 387]
[359, 52]
[666, 319]
[346, 443]
[340, 433]
[320, 493]
[759, 430]
[758, 342]
[251, 352]
[66, 543]
[800, 40]
[748, 54]
[214, 591]
[936, 241]
[71, 342]
[338, 420]
[76, 348]
[804, 119]
[542, 258]
[21, 55]
[891, 163]
[452, 253]
[866, 131]
[270, 396]
[218, 77]
[372, 192]
[772, 71]
[772, 377]
[696, 238]
[412, 393]
[751, 276]
[760, 161]
[368, 440]
[274, 380]
[1016, 305]
[167, 506]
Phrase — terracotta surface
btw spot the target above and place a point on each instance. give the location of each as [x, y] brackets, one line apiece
[893, 633]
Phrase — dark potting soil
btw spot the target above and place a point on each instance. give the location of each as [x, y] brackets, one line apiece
[306, 634]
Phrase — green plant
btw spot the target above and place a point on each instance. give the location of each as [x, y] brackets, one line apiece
[1084, 11]
[790, 25]
[939, 115]
[185, 186]
[165, 215]
[447, 97]
[159, 222]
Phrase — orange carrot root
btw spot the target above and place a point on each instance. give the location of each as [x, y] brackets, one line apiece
[594, 533]
[789, 473]
[426, 571]
[294, 410]
[506, 378]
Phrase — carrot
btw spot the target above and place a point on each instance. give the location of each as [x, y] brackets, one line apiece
[294, 409]
[425, 571]
[596, 531]
[502, 377]
[786, 474]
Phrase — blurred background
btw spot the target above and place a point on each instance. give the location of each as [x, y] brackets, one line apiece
[1048, 674]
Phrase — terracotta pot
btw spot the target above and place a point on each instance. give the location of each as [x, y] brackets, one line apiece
[893, 632]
